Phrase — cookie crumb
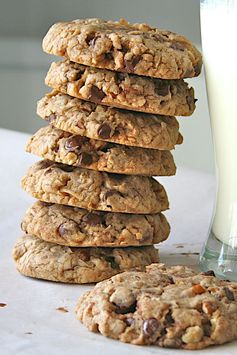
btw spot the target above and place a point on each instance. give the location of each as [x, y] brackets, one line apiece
[28, 333]
[3, 304]
[62, 309]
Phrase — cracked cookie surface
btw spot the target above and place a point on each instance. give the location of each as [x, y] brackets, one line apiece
[169, 307]
[43, 260]
[127, 91]
[74, 226]
[63, 147]
[109, 124]
[94, 190]
[124, 47]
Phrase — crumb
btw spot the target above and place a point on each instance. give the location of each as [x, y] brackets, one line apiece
[179, 246]
[28, 333]
[62, 309]
[3, 304]
[188, 254]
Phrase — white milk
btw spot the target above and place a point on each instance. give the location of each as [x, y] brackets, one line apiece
[219, 41]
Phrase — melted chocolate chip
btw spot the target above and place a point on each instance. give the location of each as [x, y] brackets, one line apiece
[162, 87]
[150, 326]
[62, 230]
[189, 100]
[75, 142]
[51, 117]
[90, 39]
[129, 321]
[177, 46]
[130, 64]
[208, 273]
[66, 168]
[112, 261]
[104, 131]
[92, 218]
[206, 327]
[119, 77]
[197, 69]
[85, 158]
[96, 94]
[229, 294]
[121, 309]
[84, 255]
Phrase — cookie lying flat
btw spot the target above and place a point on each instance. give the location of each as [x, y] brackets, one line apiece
[127, 91]
[68, 185]
[109, 124]
[74, 226]
[125, 47]
[170, 307]
[63, 147]
[37, 258]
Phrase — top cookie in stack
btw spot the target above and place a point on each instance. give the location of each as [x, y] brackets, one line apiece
[112, 127]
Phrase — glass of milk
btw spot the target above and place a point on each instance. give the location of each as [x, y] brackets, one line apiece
[219, 43]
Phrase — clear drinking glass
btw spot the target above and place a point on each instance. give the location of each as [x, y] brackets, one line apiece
[219, 43]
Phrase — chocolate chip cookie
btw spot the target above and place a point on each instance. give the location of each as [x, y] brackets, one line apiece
[63, 147]
[170, 307]
[109, 124]
[124, 47]
[94, 190]
[122, 90]
[78, 227]
[43, 260]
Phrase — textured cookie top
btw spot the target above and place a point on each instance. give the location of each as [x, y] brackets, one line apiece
[43, 260]
[170, 307]
[68, 185]
[109, 124]
[124, 47]
[74, 226]
[127, 91]
[63, 147]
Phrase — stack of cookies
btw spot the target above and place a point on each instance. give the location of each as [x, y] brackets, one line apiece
[111, 127]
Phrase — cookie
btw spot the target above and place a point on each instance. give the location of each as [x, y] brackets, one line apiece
[63, 147]
[94, 190]
[43, 260]
[124, 47]
[170, 307]
[78, 227]
[109, 124]
[127, 91]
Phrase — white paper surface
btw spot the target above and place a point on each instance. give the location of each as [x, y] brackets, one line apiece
[30, 324]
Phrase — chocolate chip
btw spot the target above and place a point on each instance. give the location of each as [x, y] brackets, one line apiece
[150, 326]
[104, 131]
[110, 193]
[130, 64]
[66, 168]
[169, 319]
[162, 88]
[197, 69]
[84, 255]
[121, 309]
[92, 219]
[75, 142]
[119, 77]
[85, 158]
[177, 46]
[90, 39]
[62, 230]
[207, 328]
[208, 273]
[229, 294]
[112, 261]
[44, 164]
[96, 94]
[129, 321]
[51, 117]
[158, 38]
[108, 56]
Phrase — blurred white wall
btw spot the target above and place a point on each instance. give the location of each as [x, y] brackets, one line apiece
[23, 65]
